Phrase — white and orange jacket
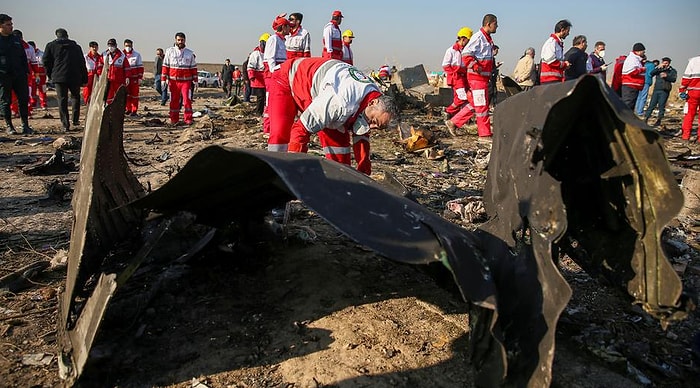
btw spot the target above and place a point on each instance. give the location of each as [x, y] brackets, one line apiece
[332, 41]
[347, 54]
[94, 63]
[179, 65]
[552, 65]
[633, 72]
[477, 56]
[275, 52]
[256, 68]
[298, 43]
[691, 77]
[454, 67]
[135, 65]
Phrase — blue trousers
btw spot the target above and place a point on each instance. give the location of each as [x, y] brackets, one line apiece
[659, 97]
[641, 100]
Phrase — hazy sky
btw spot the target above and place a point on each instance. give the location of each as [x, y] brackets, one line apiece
[402, 33]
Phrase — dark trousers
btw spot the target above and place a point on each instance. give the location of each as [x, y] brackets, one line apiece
[21, 89]
[629, 96]
[259, 94]
[227, 87]
[659, 97]
[247, 92]
[62, 89]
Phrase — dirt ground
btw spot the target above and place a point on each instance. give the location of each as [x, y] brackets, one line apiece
[312, 310]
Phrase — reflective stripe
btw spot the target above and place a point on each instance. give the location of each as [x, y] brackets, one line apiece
[318, 75]
[356, 139]
[693, 75]
[551, 74]
[693, 88]
[482, 114]
[277, 147]
[336, 150]
[483, 73]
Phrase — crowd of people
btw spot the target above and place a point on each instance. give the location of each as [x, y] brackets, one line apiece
[297, 95]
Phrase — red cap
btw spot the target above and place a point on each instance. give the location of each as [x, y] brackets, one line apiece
[279, 21]
[337, 13]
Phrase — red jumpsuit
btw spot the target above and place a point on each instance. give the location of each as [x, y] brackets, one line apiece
[135, 75]
[40, 79]
[94, 64]
[180, 70]
[331, 95]
[117, 72]
[691, 85]
[456, 77]
[477, 56]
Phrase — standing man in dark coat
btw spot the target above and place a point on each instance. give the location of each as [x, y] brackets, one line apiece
[14, 69]
[65, 66]
[577, 57]
[227, 77]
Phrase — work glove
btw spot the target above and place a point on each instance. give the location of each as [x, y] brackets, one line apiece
[683, 96]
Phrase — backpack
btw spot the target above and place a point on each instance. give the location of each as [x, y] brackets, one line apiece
[616, 83]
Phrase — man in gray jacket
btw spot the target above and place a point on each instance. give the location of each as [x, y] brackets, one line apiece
[665, 77]
[65, 66]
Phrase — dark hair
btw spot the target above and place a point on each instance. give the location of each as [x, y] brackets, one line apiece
[666, 59]
[181, 35]
[17, 33]
[61, 33]
[4, 18]
[128, 41]
[93, 44]
[562, 25]
[31, 43]
[578, 39]
[599, 43]
[488, 18]
[296, 15]
[495, 47]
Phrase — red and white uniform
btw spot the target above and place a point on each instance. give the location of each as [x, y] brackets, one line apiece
[298, 43]
[40, 78]
[690, 83]
[347, 53]
[477, 57]
[384, 72]
[180, 70]
[94, 64]
[456, 77]
[256, 69]
[332, 41]
[135, 75]
[331, 95]
[117, 70]
[31, 82]
[552, 65]
[633, 72]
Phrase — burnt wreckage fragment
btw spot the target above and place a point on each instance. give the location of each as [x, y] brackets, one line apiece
[571, 171]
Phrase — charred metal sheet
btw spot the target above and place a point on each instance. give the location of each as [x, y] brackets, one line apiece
[572, 170]
[101, 221]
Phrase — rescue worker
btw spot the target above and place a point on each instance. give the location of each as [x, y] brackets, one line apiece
[456, 73]
[256, 73]
[135, 75]
[336, 101]
[117, 68]
[478, 58]
[13, 70]
[39, 91]
[31, 64]
[180, 74]
[298, 41]
[552, 63]
[332, 38]
[633, 75]
[348, 36]
[384, 72]
[237, 80]
[275, 54]
[94, 63]
[690, 91]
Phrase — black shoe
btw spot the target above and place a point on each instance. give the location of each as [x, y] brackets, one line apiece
[27, 130]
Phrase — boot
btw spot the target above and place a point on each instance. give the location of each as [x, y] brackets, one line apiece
[10, 127]
[26, 129]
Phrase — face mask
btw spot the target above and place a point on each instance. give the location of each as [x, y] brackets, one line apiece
[601, 54]
[127, 49]
[112, 49]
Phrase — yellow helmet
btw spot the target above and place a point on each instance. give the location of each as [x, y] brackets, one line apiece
[465, 32]
[264, 37]
[348, 33]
